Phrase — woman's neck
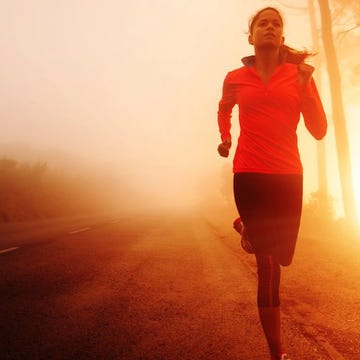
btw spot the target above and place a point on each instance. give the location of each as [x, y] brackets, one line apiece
[266, 63]
[266, 60]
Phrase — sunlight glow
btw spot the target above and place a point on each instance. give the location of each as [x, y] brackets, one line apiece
[354, 130]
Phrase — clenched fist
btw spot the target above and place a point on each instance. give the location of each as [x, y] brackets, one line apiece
[224, 147]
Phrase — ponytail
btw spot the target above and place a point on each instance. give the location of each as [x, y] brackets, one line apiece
[293, 56]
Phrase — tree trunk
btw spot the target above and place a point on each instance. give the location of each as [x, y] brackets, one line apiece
[341, 137]
[321, 153]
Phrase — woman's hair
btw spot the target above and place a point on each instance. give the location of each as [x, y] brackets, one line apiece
[256, 16]
[287, 53]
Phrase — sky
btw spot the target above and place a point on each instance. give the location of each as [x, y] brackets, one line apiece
[132, 86]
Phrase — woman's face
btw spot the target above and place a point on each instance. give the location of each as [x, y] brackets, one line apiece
[267, 31]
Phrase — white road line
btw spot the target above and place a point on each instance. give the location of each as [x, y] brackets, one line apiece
[8, 250]
[78, 231]
[114, 222]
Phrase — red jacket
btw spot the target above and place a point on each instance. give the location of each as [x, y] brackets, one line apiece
[269, 115]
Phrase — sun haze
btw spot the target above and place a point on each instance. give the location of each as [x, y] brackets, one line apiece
[130, 87]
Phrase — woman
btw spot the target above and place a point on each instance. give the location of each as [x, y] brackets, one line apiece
[271, 90]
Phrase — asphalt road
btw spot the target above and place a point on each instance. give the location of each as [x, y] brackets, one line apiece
[165, 287]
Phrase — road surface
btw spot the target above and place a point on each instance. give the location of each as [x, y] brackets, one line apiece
[165, 287]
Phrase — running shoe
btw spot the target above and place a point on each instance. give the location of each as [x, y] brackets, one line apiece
[245, 243]
[283, 357]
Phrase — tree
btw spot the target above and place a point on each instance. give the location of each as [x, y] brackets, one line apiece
[341, 137]
[321, 154]
[346, 15]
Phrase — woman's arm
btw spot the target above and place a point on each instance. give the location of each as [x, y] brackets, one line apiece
[311, 106]
[226, 105]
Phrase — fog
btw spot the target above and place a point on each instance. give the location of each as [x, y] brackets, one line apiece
[129, 88]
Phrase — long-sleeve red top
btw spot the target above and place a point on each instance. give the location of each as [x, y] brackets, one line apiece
[269, 115]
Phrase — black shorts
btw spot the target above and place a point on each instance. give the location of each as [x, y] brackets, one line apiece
[270, 207]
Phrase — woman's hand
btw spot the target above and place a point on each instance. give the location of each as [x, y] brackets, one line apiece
[224, 147]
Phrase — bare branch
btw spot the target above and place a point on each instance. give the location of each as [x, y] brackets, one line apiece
[357, 26]
[293, 7]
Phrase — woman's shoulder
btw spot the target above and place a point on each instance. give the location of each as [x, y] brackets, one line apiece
[302, 70]
[237, 73]
[248, 63]
[290, 66]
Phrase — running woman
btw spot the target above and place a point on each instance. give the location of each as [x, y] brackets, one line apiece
[271, 89]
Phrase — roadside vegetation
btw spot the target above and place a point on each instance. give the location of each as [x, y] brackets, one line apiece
[36, 191]
[319, 221]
